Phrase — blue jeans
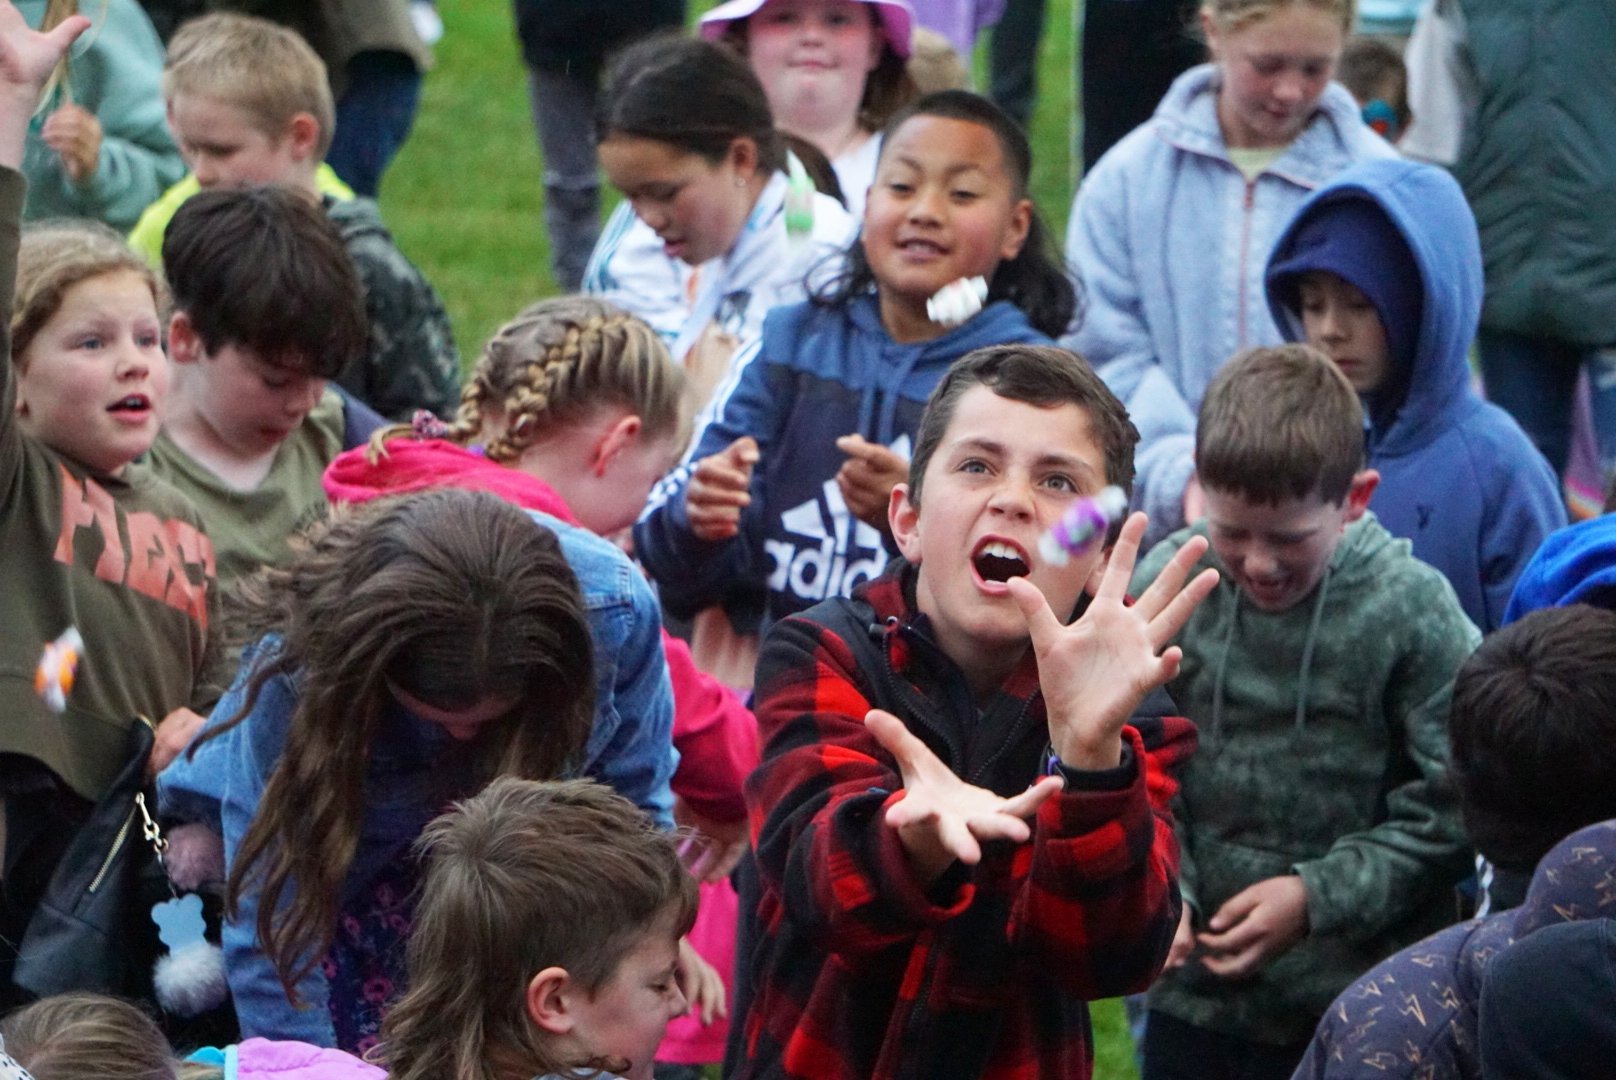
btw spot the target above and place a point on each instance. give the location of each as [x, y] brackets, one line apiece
[1534, 379]
[374, 118]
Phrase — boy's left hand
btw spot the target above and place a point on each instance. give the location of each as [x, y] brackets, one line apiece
[75, 134]
[941, 818]
[1095, 672]
[26, 59]
[1254, 926]
[173, 735]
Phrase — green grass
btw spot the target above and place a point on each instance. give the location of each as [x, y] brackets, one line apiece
[465, 202]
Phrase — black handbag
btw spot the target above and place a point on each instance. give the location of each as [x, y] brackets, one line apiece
[92, 929]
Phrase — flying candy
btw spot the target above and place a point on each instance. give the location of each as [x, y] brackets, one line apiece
[1082, 526]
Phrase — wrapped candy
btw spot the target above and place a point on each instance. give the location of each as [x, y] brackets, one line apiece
[1083, 526]
[53, 679]
[957, 301]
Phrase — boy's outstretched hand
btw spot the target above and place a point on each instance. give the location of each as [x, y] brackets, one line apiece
[1095, 672]
[26, 59]
[941, 818]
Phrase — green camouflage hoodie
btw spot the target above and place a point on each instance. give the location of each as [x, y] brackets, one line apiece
[1323, 753]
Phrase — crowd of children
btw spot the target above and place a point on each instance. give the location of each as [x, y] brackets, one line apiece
[423, 788]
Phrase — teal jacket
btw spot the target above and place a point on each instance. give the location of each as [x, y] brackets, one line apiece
[1538, 165]
[1324, 754]
[113, 73]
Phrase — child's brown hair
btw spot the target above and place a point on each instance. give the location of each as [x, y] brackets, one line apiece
[53, 257]
[262, 68]
[451, 597]
[1280, 423]
[522, 877]
[1038, 375]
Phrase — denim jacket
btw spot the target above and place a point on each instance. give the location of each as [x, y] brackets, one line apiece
[630, 748]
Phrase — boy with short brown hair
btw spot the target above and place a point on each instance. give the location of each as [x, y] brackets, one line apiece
[1319, 827]
[961, 818]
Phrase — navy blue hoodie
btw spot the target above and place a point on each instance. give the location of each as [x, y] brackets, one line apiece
[1458, 477]
[818, 373]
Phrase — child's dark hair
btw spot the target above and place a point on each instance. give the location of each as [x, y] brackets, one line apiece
[1038, 375]
[691, 94]
[519, 878]
[1533, 733]
[1035, 280]
[1280, 423]
[80, 1035]
[266, 270]
[452, 597]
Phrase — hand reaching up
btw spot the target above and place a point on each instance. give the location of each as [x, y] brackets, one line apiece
[1095, 672]
[941, 818]
[26, 60]
[719, 490]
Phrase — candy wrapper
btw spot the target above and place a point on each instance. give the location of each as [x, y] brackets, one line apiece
[957, 301]
[53, 679]
[1083, 526]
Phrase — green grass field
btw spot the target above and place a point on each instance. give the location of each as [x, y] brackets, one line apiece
[464, 201]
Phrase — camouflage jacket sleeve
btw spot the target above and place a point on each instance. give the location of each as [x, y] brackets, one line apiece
[412, 363]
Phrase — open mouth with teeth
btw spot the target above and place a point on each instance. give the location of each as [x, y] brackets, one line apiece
[132, 403]
[997, 561]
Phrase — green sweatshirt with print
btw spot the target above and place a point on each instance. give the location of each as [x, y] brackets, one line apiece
[124, 559]
[1324, 754]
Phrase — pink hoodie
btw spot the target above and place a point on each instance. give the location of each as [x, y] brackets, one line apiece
[715, 734]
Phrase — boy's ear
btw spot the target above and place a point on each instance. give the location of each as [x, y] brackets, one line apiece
[903, 514]
[549, 1001]
[1015, 236]
[1362, 490]
[184, 344]
[304, 133]
[743, 155]
[617, 437]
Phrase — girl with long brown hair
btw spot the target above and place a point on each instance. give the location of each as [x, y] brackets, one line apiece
[417, 649]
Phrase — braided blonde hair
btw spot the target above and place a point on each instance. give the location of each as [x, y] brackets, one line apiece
[552, 365]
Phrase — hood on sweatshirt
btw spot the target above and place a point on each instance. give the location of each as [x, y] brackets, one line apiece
[1427, 209]
[407, 464]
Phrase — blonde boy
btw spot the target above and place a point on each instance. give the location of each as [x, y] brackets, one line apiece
[1319, 828]
[249, 105]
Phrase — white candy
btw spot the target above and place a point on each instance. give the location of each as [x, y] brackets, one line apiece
[957, 301]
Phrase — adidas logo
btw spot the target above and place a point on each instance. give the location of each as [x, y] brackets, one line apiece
[840, 551]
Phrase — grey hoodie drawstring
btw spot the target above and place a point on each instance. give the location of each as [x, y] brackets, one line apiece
[1307, 646]
[1304, 677]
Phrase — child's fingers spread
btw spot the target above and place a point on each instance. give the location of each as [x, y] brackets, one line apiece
[989, 827]
[1124, 553]
[915, 760]
[1165, 625]
[1027, 803]
[1042, 624]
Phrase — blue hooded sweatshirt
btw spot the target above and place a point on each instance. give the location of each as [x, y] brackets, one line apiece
[818, 373]
[1458, 477]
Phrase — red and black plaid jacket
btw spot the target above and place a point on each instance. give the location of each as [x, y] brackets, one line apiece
[861, 972]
